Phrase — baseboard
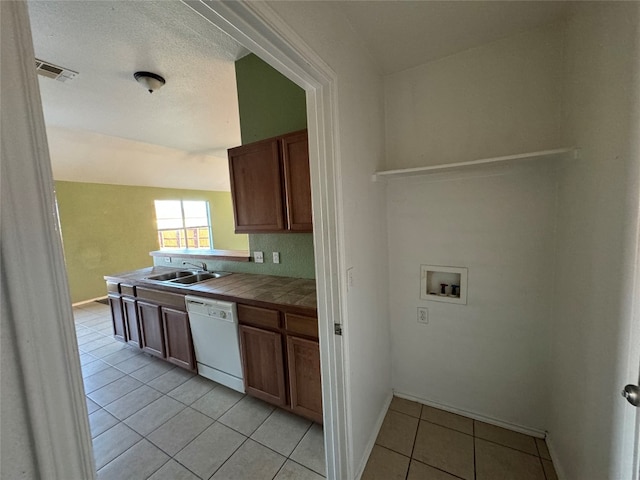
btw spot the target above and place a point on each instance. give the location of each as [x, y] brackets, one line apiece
[372, 440]
[476, 416]
[554, 458]
[84, 302]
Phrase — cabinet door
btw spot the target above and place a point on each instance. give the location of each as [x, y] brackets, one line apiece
[256, 187]
[151, 331]
[305, 386]
[117, 317]
[263, 364]
[131, 321]
[177, 335]
[297, 182]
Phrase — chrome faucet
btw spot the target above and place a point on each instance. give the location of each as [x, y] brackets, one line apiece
[201, 265]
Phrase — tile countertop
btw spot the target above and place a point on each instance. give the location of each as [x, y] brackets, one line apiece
[238, 287]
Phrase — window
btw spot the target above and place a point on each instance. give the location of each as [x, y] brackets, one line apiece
[183, 224]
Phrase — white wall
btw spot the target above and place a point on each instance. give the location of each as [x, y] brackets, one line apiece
[497, 99]
[82, 156]
[591, 427]
[489, 357]
[360, 149]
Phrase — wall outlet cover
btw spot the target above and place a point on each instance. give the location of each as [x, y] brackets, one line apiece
[276, 257]
[423, 315]
[258, 257]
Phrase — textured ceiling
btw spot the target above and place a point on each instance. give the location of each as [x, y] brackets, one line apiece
[404, 34]
[197, 110]
[107, 41]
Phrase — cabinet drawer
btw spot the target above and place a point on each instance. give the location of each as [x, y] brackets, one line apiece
[113, 287]
[259, 317]
[129, 290]
[301, 324]
[164, 298]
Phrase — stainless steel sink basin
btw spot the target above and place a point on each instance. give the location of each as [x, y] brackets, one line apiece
[171, 275]
[198, 277]
[185, 277]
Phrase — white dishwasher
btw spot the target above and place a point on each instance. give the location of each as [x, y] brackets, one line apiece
[214, 328]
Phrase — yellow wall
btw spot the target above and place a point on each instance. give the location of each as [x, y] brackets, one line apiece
[111, 228]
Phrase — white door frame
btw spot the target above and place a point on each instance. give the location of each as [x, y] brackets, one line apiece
[256, 26]
[35, 294]
[34, 284]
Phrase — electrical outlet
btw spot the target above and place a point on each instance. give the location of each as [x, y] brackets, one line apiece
[423, 315]
[167, 259]
[276, 257]
[258, 257]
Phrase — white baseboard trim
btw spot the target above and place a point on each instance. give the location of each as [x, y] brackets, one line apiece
[554, 458]
[372, 440]
[476, 416]
[84, 302]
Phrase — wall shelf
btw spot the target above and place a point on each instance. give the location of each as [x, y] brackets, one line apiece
[557, 154]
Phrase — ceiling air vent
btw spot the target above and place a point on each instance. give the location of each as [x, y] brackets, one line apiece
[50, 70]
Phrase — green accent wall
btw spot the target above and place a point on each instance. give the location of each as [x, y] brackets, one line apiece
[296, 257]
[108, 229]
[270, 104]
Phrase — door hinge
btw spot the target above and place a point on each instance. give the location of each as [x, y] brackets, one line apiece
[337, 328]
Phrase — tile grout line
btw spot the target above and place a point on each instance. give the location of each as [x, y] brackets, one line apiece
[163, 394]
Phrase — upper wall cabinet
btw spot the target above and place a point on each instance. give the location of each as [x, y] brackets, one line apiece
[270, 185]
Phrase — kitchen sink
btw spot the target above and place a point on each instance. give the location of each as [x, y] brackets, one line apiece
[198, 277]
[171, 275]
[185, 277]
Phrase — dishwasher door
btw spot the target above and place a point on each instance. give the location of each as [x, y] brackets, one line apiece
[214, 329]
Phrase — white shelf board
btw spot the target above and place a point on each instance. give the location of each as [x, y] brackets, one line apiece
[558, 154]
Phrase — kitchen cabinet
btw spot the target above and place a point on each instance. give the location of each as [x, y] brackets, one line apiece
[281, 364]
[152, 333]
[131, 321]
[297, 181]
[263, 366]
[153, 320]
[117, 317]
[178, 340]
[303, 357]
[270, 185]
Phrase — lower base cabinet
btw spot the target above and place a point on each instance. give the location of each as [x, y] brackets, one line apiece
[280, 365]
[131, 321]
[178, 340]
[263, 367]
[154, 321]
[152, 333]
[305, 387]
[117, 317]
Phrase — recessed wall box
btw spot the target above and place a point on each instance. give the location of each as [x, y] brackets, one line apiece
[443, 284]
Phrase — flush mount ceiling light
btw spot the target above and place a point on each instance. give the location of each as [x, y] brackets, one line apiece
[150, 81]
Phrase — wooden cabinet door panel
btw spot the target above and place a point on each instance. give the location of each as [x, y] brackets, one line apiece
[263, 364]
[305, 386]
[177, 334]
[256, 187]
[117, 317]
[151, 331]
[131, 321]
[297, 182]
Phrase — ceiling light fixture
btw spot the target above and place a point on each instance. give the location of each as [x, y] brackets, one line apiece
[150, 81]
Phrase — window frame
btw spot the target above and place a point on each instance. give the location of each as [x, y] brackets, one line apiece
[184, 228]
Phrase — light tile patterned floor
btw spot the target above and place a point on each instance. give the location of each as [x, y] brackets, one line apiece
[151, 420]
[417, 442]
